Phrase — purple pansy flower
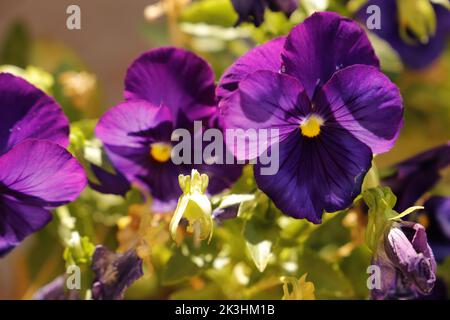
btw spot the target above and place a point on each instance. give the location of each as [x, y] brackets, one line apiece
[322, 89]
[37, 173]
[406, 262]
[437, 209]
[417, 175]
[165, 89]
[253, 10]
[417, 55]
[114, 273]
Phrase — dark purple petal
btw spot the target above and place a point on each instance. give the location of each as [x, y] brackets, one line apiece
[438, 211]
[263, 57]
[56, 290]
[253, 10]
[28, 113]
[265, 100]
[439, 291]
[114, 273]
[324, 43]
[223, 214]
[417, 175]
[128, 123]
[286, 6]
[127, 131]
[317, 174]
[18, 220]
[365, 102]
[418, 55]
[175, 78]
[221, 176]
[109, 183]
[41, 173]
[249, 11]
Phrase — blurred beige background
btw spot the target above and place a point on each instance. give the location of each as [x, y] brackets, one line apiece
[110, 39]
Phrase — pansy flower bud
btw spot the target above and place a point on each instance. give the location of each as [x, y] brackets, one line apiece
[407, 264]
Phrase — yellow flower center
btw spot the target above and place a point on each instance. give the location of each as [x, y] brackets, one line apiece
[311, 126]
[160, 151]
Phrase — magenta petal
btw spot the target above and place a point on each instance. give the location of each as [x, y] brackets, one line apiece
[41, 173]
[17, 221]
[365, 102]
[264, 100]
[124, 124]
[315, 175]
[28, 113]
[175, 78]
[263, 57]
[323, 43]
[127, 131]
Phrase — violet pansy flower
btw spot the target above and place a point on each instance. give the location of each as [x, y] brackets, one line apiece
[437, 209]
[333, 108]
[417, 175]
[253, 10]
[37, 173]
[415, 54]
[165, 89]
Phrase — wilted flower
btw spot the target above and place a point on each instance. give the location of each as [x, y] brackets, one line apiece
[417, 175]
[406, 261]
[37, 173]
[333, 112]
[416, 29]
[253, 10]
[114, 273]
[194, 206]
[400, 248]
[166, 89]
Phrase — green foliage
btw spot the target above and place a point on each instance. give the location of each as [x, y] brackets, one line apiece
[16, 47]
[211, 12]
[180, 267]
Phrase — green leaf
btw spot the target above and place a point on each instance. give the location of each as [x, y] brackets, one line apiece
[328, 279]
[261, 253]
[406, 212]
[330, 231]
[179, 268]
[213, 12]
[261, 232]
[389, 59]
[354, 267]
[16, 48]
